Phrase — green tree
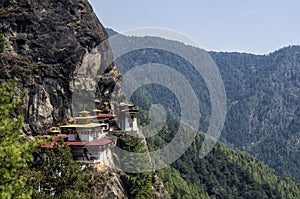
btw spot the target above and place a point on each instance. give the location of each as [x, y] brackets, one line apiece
[59, 176]
[138, 185]
[14, 149]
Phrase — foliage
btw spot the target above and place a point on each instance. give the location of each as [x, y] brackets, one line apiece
[224, 173]
[15, 151]
[2, 42]
[178, 187]
[263, 118]
[59, 176]
[138, 185]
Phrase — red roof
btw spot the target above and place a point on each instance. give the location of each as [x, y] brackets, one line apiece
[51, 145]
[63, 136]
[99, 142]
[104, 115]
[56, 138]
[76, 143]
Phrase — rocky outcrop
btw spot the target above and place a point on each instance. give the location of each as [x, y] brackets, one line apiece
[51, 45]
[159, 190]
[107, 185]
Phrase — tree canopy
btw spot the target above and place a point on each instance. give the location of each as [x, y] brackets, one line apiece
[15, 151]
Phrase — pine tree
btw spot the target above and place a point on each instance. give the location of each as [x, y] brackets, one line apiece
[14, 150]
[138, 185]
[59, 176]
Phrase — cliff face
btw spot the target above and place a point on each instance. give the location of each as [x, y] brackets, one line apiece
[50, 43]
[53, 49]
[108, 185]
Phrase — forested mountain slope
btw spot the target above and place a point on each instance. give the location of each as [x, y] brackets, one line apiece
[224, 173]
[262, 97]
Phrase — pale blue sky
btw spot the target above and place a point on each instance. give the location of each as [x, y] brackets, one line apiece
[252, 26]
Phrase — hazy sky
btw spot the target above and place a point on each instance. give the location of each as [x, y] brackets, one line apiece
[256, 26]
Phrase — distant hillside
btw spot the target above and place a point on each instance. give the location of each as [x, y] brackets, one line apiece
[224, 173]
[262, 96]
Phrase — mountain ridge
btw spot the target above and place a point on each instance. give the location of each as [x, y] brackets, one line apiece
[261, 96]
[111, 32]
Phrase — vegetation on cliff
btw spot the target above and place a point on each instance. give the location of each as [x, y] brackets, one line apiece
[138, 185]
[55, 175]
[15, 151]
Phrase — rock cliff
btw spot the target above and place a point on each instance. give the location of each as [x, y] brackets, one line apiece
[52, 47]
[49, 44]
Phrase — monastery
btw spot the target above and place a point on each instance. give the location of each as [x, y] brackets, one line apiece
[88, 134]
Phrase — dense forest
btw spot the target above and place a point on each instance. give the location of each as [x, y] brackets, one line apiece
[224, 173]
[262, 97]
